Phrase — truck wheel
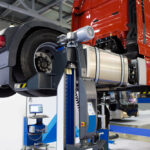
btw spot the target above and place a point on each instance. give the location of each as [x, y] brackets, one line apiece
[6, 91]
[37, 54]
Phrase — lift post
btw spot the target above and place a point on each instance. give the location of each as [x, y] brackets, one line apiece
[65, 109]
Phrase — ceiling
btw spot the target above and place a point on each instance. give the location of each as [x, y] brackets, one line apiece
[19, 11]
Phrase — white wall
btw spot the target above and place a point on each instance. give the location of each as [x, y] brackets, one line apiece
[12, 111]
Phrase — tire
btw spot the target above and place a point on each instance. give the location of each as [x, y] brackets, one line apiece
[6, 91]
[27, 67]
[26, 93]
[29, 48]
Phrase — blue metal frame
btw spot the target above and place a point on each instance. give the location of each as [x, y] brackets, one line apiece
[30, 139]
[92, 123]
[105, 136]
[143, 100]
[130, 130]
[27, 140]
[69, 114]
[50, 135]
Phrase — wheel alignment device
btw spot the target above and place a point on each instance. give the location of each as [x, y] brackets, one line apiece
[76, 79]
[71, 56]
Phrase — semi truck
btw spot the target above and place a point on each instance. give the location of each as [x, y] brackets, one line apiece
[118, 57]
[122, 28]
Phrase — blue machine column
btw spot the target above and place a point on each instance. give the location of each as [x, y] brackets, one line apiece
[65, 110]
[70, 107]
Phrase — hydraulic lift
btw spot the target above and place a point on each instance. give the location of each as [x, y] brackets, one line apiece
[73, 88]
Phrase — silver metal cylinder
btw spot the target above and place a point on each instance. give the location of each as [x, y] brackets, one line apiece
[84, 34]
[113, 68]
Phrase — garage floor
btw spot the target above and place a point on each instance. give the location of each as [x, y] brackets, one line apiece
[133, 142]
[142, 121]
[125, 144]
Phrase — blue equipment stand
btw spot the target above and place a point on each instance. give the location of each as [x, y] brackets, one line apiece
[105, 136]
[70, 107]
[65, 110]
[35, 138]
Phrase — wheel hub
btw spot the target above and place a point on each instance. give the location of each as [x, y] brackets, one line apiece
[43, 57]
[43, 62]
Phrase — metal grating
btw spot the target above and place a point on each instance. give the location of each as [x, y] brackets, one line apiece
[19, 11]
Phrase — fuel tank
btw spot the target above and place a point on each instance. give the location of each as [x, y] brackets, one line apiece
[106, 67]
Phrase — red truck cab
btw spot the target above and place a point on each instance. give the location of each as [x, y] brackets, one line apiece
[123, 26]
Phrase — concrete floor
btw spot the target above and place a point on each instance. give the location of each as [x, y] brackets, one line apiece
[132, 142]
[125, 144]
[142, 121]
[144, 106]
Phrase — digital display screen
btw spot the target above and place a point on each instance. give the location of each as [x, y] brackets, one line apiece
[36, 108]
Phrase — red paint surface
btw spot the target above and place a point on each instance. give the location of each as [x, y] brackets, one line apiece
[86, 12]
[100, 15]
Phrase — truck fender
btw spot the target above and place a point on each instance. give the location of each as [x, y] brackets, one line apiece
[22, 32]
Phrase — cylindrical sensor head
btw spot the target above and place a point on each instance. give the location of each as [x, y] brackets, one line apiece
[84, 34]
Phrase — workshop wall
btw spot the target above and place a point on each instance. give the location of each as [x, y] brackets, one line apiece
[12, 111]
